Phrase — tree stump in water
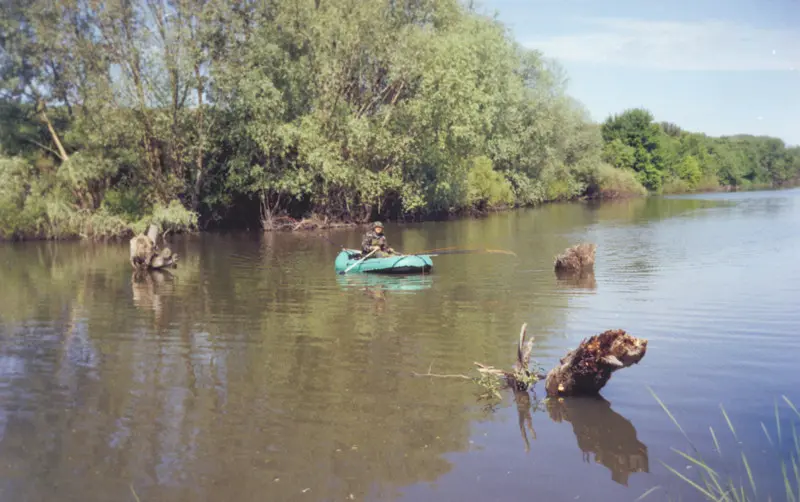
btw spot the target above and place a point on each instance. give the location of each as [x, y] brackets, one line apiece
[586, 369]
[145, 255]
[583, 371]
[576, 258]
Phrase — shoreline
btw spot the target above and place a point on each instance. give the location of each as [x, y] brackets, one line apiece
[312, 223]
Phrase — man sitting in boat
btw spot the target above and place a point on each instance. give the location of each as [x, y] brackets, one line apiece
[375, 240]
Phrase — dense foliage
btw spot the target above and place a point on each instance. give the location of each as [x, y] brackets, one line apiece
[667, 158]
[118, 112]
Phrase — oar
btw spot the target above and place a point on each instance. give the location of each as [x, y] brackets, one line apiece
[356, 263]
[467, 251]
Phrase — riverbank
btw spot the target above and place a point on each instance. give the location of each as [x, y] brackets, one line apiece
[174, 219]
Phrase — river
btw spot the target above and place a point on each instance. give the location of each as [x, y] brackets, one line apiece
[255, 372]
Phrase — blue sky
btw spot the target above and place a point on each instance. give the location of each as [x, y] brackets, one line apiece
[719, 67]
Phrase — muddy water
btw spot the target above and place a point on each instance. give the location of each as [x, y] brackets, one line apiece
[254, 372]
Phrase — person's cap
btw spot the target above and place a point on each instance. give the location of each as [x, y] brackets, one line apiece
[377, 224]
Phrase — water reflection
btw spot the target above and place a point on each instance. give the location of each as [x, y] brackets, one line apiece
[266, 373]
[577, 280]
[149, 286]
[384, 283]
[525, 408]
[603, 432]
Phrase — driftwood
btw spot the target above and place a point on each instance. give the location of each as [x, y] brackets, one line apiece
[145, 255]
[576, 258]
[521, 377]
[583, 371]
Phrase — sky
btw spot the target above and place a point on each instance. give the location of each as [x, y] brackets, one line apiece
[714, 66]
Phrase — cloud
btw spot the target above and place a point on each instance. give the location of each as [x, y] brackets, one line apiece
[668, 45]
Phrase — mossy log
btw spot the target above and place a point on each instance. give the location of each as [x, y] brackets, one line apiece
[579, 257]
[145, 254]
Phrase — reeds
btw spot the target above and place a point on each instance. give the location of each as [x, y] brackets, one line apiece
[716, 487]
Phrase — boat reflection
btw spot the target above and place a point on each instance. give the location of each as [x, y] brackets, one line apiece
[379, 284]
[603, 432]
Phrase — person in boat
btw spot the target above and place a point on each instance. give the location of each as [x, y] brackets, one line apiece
[375, 239]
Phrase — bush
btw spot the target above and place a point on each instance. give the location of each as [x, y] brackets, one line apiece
[487, 188]
[605, 181]
[173, 217]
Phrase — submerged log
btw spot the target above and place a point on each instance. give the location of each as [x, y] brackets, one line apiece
[576, 258]
[145, 255]
[586, 369]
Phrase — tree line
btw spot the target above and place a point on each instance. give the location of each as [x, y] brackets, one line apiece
[116, 113]
[666, 158]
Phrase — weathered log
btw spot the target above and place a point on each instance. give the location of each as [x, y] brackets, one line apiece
[586, 369]
[576, 258]
[145, 255]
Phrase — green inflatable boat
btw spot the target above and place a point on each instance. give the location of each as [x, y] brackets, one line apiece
[395, 264]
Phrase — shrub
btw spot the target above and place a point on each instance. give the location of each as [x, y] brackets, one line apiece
[487, 187]
[605, 181]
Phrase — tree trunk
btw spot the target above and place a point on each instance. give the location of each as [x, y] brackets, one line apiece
[198, 175]
[62, 153]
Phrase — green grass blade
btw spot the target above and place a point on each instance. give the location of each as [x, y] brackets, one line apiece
[732, 490]
[778, 421]
[672, 417]
[692, 483]
[764, 428]
[696, 462]
[711, 472]
[789, 492]
[730, 425]
[716, 443]
[648, 492]
[791, 405]
[796, 473]
[749, 474]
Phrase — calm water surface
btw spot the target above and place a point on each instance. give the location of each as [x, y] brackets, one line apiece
[254, 372]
